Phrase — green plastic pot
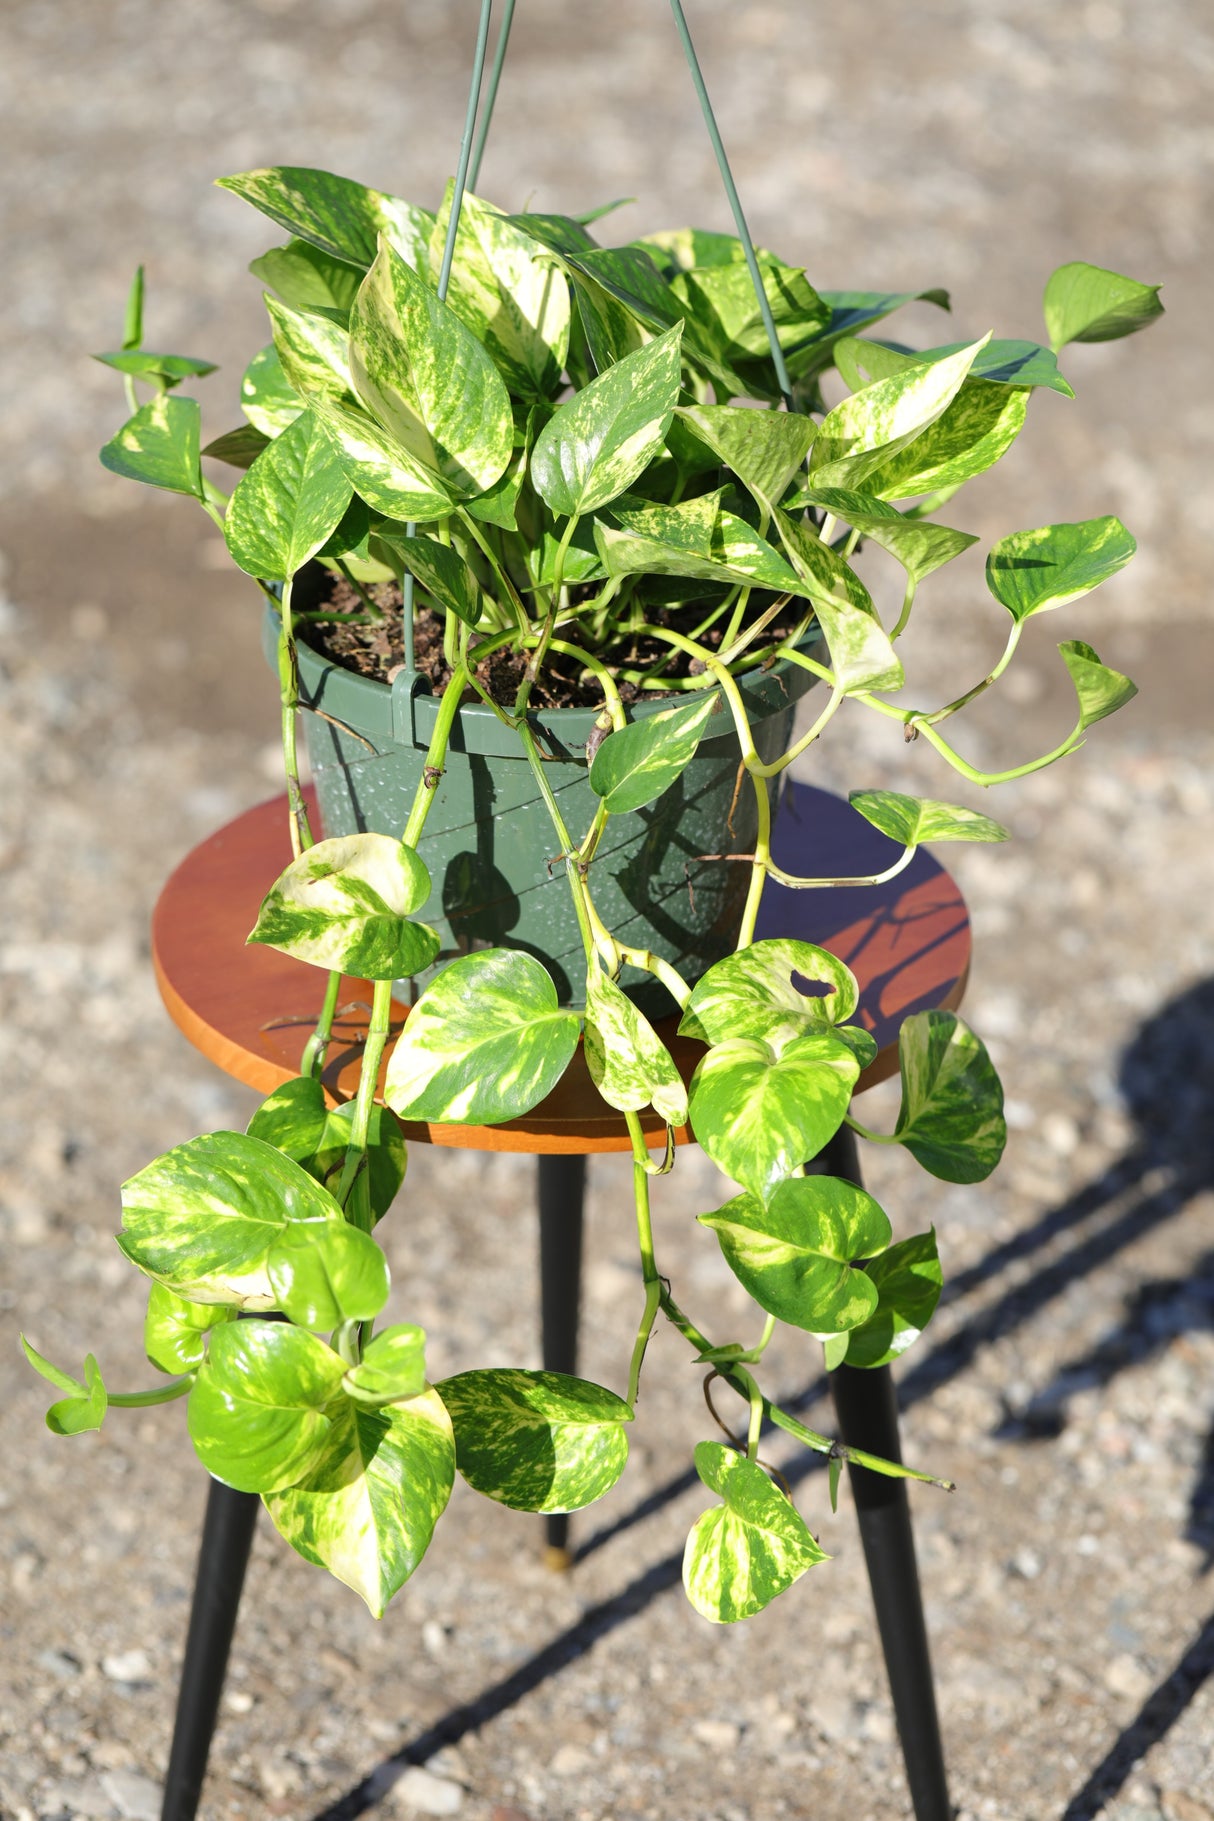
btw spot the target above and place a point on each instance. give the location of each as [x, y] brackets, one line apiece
[489, 843]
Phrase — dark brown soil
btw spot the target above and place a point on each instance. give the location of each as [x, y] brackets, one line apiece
[375, 648]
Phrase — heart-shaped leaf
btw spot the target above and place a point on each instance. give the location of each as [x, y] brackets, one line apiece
[759, 1114]
[796, 1253]
[610, 330]
[240, 447]
[918, 545]
[1101, 690]
[173, 1329]
[257, 1412]
[696, 538]
[868, 428]
[722, 298]
[160, 446]
[382, 470]
[296, 1119]
[596, 445]
[393, 1366]
[1010, 363]
[405, 347]
[313, 354]
[628, 1062]
[951, 1117]
[765, 449]
[509, 292]
[167, 370]
[342, 218]
[861, 654]
[345, 904]
[324, 1273]
[307, 278]
[1088, 303]
[202, 1217]
[485, 1042]
[850, 311]
[742, 1553]
[267, 398]
[536, 1441]
[289, 503]
[368, 1506]
[978, 428]
[752, 994]
[86, 1403]
[913, 820]
[908, 1281]
[1033, 571]
[631, 277]
[441, 571]
[637, 763]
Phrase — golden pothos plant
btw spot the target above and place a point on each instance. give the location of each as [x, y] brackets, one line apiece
[547, 441]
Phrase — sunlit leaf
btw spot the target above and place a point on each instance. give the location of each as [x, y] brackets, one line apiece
[307, 278]
[509, 292]
[861, 654]
[1088, 303]
[160, 446]
[723, 295]
[637, 763]
[1033, 571]
[796, 1253]
[908, 1281]
[951, 1117]
[313, 353]
[342, 218]
[165, 369]
[920, 547]
[628, 1062]
[367, 1509]
[697, 537]
[441, 571]
[594, 447]
[345, 903]
[1010, 363]
[267, 398]
[296, 1119]
[559, 233]
[976, 430]
[753, 993]
[257, 1411]
[393, 1366]
[849, 312]
[913, 820]
[289, 503]
[870, 426]
[132, 328]
[741, 1554]
[86, 1403]
[386, 474]
[537, 1441]
[485, 1042]
[759, 1113]
[1101, 690]
[327, 1272]
[764, 449]
[174, 1329]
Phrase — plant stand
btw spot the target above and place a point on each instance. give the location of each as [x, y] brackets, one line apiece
[250, 1011]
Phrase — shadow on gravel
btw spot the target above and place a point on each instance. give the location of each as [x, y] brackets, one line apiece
[1167, 1079]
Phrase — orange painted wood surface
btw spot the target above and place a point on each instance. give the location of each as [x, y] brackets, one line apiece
[251, 1010]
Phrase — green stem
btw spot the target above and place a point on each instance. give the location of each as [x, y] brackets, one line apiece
[143, 1400]
[908, 601]
[942, 714]
[358, 1209]
[988, 778]
[132, 397]
[649, 1268]
[522, 617]
[864, 1132]
[313, 1060]
[432, 770]
[288, 689]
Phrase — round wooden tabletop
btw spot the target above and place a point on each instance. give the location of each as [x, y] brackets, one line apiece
[251, 1010]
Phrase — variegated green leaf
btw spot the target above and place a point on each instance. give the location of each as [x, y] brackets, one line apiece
[695, 538]
[536, 1441]
[918, 545]
[202, 1217]
[630, 275]
[850, 311]
[393, 1366]
[1100, 689]
[596, 445]
[978, 428]
[559, 233]
[289, 503]
[405, 348]
[753, 994]
[441, 571]
[267, 398]
[1088, 303]
[1010, 363]
[325, 1272]
[382, 470]
[313, 353]
[611, 330]
[637, 763]
[367, 1509]
[307, 278]
[167, 370]
[173, 1329]
[160, 446]
[759, 1114]
[863, 432]
[342, 218]
[296, 1119]
[628, 1062]
[86, 1402]
[741, 1554]
[509, 292]
[485, 1042]
[257, 1412]
[765, 449]
[345, 904]
[680, 249]
[951, 1117]
[240, 447]
[1033, 571]
[722, 298]
[796, 1253]
[908, 1281]
[913, 820]
[861, 654]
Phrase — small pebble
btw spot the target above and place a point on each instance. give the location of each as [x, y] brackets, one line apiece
[1026, 1563]
[420, 1792]
[1125, 1676]
[134, 1796]
[237, 1702]
[718, 1735]
[127, 1666]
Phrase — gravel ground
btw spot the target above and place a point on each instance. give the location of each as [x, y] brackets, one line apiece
[1068, 1383]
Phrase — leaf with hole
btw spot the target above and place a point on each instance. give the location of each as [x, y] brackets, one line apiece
[913, 820]
[744, 1552]
[485, 1042]
[908, 1281]
[536, 1441]
[1034, 571]
[796, 1253]
[160, 446]
[596, 445]
[635, 764]
[951, 1116]
[289, 503]
[257, 1413]
[1088, 303]
[753, 993]
[345, 903]
[628, 1062]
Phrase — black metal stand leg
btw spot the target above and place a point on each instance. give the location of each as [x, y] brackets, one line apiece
[227, 1535]
[562, 1189]
[867, 1407]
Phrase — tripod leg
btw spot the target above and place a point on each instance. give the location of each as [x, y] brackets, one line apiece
[867, 1407]
[227, 1535]
[562, 1188]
